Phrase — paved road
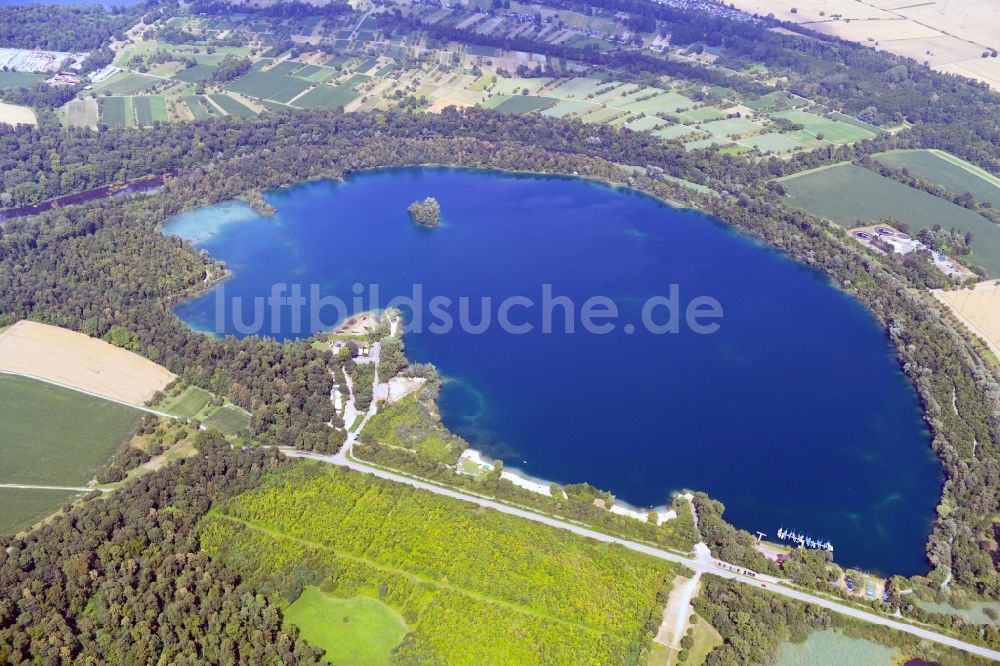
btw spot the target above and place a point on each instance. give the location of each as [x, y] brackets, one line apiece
[703, 563]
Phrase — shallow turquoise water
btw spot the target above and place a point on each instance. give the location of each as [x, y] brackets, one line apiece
[794, 413]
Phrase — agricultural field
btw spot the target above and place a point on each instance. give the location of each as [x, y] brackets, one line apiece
[952, 173]
[228, 419]
[197, 74]
[232, 106]
[327, 97]
[126, 83]
[82, 112]
[454, 571]
[117, 111]
[977, 308]
[524, 104]
[275, 84]
[52, 436]
[200, 107]
[731, 127]
[192, 402]
[826, 129]
[76, 360]
[772, 142]
[21, 508]
[19, 79]
[149, 110]
[360, 631]
[854, 196]
[12, 114]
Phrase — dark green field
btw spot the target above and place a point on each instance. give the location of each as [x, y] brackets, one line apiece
[327, 97]
[525, 104]
[232, 106]
[21, 508]
[196, 74]
[114, 111]
[854, 196]
[54, 436]
[19, 79]
[276, 83]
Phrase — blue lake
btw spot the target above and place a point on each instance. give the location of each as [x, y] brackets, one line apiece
[794, 413]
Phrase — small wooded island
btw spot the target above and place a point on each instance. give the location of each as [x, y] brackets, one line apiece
[426, 213]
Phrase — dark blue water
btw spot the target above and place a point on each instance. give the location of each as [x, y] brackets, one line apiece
[794, 413]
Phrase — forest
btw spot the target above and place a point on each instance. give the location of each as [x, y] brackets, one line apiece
[72, 28]
[123, 580]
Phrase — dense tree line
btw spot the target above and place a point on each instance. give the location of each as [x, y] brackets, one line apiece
[123, 579]
[64, 27]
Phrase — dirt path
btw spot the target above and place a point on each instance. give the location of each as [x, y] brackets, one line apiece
[677, 614]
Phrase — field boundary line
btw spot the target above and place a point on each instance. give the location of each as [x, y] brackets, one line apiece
[28, 486]
[141, 408]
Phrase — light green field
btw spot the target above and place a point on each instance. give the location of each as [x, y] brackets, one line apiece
[772, 142]
[514, 86]
[360, 631]
[53, 436]
[602, 115]
[676, 132]
[118, 111]
[149, 109]
[228, 419]
[22, 508]
[577, 88]
[645, 123]
[565, 108]
[832, 648]
[706, 639]
[831, 130]
[952, 173]
[706, 143]
[188, 403]
[524, 104]
[327, 97]
[730, 127]
[854, 196]
[702, 114]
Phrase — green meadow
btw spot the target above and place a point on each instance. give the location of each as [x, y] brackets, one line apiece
[360, 631]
